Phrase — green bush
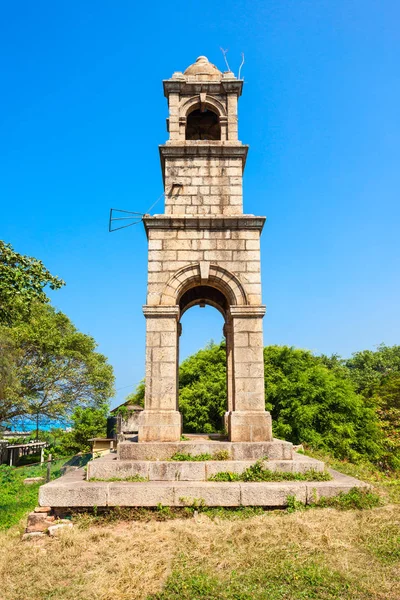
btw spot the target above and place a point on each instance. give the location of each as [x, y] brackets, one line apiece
[202, 390]
[317, 405]
[86, 423]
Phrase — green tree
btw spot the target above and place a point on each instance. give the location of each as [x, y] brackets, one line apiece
[202, 389]
[22, 283]
[12, 401]
[368, 368]
[386, 396]
[316, 405]
[57, 367]
[136, 397]
[87, 423]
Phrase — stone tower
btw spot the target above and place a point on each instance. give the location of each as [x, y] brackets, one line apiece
[204, 250]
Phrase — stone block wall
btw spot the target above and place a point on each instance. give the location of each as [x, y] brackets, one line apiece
[207, 186]
[171, 249]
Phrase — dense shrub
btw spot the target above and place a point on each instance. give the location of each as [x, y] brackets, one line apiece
[202, 389]
[311, 403]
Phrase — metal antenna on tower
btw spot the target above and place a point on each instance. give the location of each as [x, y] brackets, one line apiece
[135, 217]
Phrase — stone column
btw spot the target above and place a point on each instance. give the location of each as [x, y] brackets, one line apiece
[229, 370]
[249, 421]
[160, 421]
[232, 118]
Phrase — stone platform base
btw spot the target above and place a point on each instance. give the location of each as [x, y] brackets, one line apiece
[274, 450]
[73, 491]
[109, 467]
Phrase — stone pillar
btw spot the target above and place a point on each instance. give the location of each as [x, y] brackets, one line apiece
[229, 370]
[232, 118]
[174, 130]
[249, 421]
[160, 421]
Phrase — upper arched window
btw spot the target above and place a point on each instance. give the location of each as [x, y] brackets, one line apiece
[203, 125]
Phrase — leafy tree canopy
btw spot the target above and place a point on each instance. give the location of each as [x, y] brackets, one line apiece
[368, 368]
[386, 397]
[22, 283]
[202, 389]
[314, 404]
[87, 423]
[54, 368]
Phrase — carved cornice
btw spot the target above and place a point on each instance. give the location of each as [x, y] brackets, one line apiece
[211, 149]
[162, 312]
[184, 88]
[248, 311]
[211, 223]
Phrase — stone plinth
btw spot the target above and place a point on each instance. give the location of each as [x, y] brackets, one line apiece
[191, 471]
[273, 450]
[250, 426]
[160, 425]
[73, 491]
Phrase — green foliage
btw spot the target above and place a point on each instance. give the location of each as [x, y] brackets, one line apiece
[186, 456]
[357, 498]
[368, 368]
[317, 405]
[22, 283]
[202, 389]
[55, 366]
[131, 478]
[222, 455]
[136, 397]
[278, 578]
[225, 476]
[257, 472]
[16, 498]
[294, 505]
[386, 544]
[87, 422]
[386, 397]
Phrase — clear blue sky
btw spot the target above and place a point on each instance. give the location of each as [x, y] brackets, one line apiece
[82, 113]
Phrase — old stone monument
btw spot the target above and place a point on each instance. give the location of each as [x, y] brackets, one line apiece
[202, 250]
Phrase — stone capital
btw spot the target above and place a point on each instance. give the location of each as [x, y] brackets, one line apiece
[163, 312]
[246, 311]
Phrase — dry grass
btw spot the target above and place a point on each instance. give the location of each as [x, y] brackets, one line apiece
[354, 552]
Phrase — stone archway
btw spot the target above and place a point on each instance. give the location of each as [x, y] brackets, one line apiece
[212, 284]
[201, 273]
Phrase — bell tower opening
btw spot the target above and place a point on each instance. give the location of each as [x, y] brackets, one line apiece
[203, 125]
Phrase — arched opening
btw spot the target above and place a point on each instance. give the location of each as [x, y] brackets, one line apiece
[203, 125]
[202, 392]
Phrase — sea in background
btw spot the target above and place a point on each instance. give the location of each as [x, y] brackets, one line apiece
[45, 424]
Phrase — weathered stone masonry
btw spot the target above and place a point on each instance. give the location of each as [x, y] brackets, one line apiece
[204, 250]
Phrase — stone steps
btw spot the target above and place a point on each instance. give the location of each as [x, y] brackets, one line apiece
[274, 450]
[72, 490]
[111, 468]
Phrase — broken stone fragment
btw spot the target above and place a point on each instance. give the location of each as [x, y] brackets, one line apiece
[42, 509]
[54, 530]
[30, 480]
[32, 534]
[38, 522]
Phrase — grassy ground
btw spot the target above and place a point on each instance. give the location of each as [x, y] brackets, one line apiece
[16, 498]
[326, 554]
